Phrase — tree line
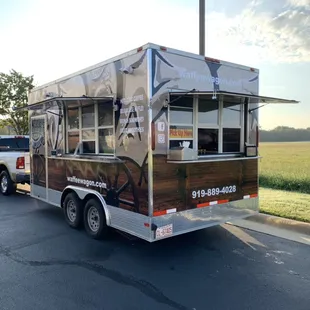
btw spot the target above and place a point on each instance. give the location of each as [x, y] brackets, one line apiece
[285, 134]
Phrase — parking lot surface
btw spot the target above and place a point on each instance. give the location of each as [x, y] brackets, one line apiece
[44, 264]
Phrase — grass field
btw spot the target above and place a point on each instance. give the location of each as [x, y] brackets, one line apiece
[292, 205]
[285, 166]
[285, 179]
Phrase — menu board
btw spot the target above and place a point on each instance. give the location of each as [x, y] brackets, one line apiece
[179, 132]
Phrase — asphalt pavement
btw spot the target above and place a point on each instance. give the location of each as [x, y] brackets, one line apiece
[46, 265]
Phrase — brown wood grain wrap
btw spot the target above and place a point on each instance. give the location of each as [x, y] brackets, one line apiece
[174, 183]
[127, 175]
[38, 169]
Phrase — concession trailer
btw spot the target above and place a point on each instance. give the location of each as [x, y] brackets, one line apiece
[156, 142]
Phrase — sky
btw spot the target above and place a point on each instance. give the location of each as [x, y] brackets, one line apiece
[51, 38]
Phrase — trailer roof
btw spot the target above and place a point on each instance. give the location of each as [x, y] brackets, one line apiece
[137, 50]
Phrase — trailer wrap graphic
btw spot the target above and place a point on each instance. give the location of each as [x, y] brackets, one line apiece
[87, 183]
[117, 181]
[184, 186]
[123, 181]
[175, 72]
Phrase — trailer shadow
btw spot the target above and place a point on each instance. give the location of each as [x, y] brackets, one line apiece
[211, 239]
[211, 244]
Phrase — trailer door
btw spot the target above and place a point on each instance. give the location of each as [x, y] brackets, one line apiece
[38, 160]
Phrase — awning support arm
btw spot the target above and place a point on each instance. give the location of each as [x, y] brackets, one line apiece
[251, 110]
[54, 113]
[182, 95]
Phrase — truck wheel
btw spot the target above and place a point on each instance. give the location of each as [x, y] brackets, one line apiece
[7, 186]
[95, 219]
[73, 212]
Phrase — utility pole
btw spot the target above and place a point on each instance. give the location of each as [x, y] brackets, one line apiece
[202, 34]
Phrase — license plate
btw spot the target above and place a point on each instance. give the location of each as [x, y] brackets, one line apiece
[164, 231]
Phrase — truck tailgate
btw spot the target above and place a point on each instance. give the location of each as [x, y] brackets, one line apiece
[27, 162]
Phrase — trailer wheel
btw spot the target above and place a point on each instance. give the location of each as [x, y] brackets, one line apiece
[73, 212]
[95, 219]
[7, 186]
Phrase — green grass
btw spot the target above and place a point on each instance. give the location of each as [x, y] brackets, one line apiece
[285, 180]
[285, 166]
[295, 206]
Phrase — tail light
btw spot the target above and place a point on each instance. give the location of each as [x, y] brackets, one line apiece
[257, 136]
[20, 163]
[153, 135]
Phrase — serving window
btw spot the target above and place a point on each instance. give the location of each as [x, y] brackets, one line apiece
[209, 126]
[92, 124]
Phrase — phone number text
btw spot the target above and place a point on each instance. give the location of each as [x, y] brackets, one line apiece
[214, 191]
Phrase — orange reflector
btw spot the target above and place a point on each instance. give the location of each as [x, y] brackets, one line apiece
[159, 213]
[250, 196]
[222, 201]
[211, 203]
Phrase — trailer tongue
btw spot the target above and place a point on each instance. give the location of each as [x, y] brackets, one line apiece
[155, 142]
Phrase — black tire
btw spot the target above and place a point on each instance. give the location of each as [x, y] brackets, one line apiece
[73, 212]
[95, 224]
[7, 186]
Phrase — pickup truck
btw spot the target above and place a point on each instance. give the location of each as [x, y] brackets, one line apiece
[14, 162]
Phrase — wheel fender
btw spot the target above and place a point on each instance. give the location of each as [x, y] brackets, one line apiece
[82, 193]
[5, 167]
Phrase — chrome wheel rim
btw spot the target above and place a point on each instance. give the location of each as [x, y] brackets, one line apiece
[4, 184]
[93, 219]
[71, 211]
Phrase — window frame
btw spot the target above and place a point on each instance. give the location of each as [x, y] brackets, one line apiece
[240, 126]
[210, 126]
[181, 124]
[220, 126]
[79, 106]
[98, 127]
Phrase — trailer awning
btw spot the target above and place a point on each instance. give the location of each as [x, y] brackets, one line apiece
[252, 98]
[63, 100]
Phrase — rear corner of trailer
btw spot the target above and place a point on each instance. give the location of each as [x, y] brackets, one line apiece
[205, 157]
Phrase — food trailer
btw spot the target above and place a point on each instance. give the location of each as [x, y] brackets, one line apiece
[156, 142]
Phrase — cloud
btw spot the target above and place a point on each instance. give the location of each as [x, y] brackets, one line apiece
[60, 37]
[299, 3]
[282, 37]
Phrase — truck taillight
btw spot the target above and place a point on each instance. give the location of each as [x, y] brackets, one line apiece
[20, 163]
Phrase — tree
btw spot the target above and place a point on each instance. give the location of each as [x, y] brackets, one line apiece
[14, 88]
[285, 134]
